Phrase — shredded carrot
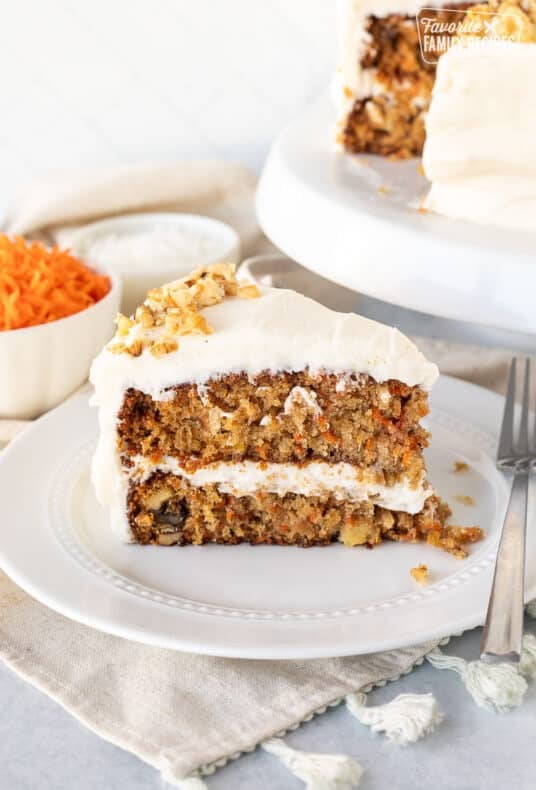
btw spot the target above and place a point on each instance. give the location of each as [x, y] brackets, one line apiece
[330, 437]
[38, 285]
[407, 458]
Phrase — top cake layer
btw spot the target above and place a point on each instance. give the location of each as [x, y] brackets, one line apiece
[278, 331]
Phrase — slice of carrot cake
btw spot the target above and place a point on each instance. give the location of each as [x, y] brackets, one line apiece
[230, 413]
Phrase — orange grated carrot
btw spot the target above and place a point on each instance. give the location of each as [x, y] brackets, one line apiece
[38, 285]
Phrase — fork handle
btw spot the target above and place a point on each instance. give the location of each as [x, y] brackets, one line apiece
[503, 630]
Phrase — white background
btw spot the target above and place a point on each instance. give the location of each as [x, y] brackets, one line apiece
[92, 82]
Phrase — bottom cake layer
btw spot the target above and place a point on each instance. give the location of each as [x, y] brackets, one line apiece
[167, 510]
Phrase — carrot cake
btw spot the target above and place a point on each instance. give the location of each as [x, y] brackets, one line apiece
[233, 413]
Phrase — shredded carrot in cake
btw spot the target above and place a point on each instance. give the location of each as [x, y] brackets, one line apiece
[38, 285]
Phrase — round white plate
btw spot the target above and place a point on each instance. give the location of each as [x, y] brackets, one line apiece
[250, 601]
[355, 220]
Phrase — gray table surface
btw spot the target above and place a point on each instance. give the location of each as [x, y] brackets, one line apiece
[43, 748]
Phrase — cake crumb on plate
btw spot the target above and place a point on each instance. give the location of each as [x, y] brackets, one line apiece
[421, 574]
[465, 499]
[460, 467]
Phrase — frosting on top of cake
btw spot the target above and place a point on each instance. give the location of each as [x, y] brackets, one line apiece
[316, 478]
[279, 331]
[480, 150]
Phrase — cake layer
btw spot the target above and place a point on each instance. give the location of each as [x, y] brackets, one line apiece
[314, 478]
[383, 86]
[167, 510]
[282, 418]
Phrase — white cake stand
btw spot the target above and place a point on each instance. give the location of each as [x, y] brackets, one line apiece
[355, 220]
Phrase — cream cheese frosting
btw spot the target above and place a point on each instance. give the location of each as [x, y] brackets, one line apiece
[316, 478]
[277, 332]
[480, 150]
[280, 331]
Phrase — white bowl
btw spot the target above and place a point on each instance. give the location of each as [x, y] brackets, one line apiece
[141, 267]
[41, 365]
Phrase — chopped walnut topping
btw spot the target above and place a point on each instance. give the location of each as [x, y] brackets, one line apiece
[124, 325]
[248, 292]
[421, 574]
[176, 307]
[172, 324]
[135, 348]
[145, 316]
[164, 346]
[117, 348]
[508, 20]
[194, 324]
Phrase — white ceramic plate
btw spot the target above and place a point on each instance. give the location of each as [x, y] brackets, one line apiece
[255, 602]
[355, 220]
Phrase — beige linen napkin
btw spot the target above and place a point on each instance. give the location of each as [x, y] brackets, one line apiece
[178, 712]
[52, 208]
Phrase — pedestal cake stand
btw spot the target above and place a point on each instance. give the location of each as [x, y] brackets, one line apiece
[356, 221]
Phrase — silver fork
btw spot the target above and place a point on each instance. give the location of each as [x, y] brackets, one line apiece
[503, 630]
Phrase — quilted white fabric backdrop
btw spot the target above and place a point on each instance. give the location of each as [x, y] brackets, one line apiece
[91, 82]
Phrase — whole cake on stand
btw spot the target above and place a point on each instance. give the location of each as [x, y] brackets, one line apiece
[345, 194]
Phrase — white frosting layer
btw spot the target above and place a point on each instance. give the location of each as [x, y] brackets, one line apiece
[312, 479]
[480, 151]
[280, 331]
[352, 82]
